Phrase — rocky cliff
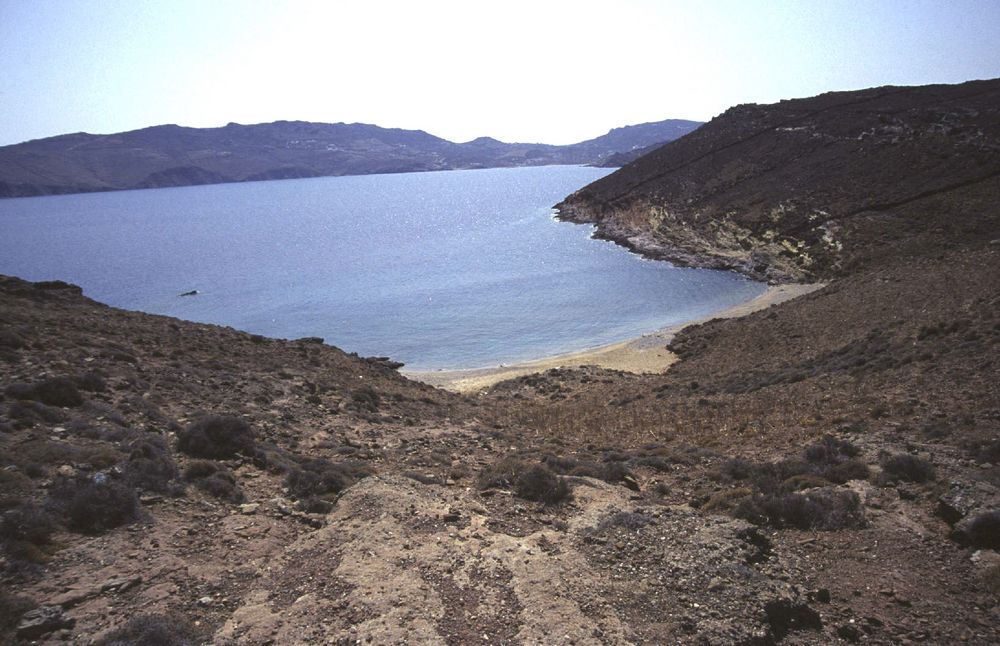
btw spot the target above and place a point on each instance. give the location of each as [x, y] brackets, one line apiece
[809, 188]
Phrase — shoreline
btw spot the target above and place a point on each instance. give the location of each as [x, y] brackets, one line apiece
[645, 354]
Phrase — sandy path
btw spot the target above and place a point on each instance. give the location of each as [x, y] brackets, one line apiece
[645, 354]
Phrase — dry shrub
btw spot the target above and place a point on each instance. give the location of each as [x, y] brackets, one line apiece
[154, 630]
[725, 500]
[906, 468]
[214, 479]
[626, 519]
[216, 437]
[983, 531]
[540, 484]
[25, 533]
[501, 474]
[824, 509]
[55, 391]
[320, 477]
[94, 505]
[149, 465]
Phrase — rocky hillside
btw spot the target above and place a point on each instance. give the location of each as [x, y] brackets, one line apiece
[810, 188]
[798, 477]
[175, 156]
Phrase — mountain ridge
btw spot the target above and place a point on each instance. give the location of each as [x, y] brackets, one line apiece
[172, 155]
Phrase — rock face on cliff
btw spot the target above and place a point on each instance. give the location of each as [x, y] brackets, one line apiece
[174, 156]
[811, 188]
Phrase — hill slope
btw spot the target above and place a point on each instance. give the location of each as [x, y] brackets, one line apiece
[808, 187]
[798, 477]
[174, 156]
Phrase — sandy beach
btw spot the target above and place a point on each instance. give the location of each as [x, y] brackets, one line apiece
[643, 355]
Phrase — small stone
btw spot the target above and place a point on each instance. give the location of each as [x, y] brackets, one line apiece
[204, 602]
[249, 508]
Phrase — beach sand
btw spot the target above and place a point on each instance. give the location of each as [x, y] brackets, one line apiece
[643, 355]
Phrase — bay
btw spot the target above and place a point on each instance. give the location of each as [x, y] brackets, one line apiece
[451, 269]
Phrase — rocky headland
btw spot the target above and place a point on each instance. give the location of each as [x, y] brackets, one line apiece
[825, 470]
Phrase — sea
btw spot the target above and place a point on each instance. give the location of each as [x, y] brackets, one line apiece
[439, 270]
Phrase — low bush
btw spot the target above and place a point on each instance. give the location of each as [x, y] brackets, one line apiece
[847, 471]
[25, 533]
[830, 450]
[315, 506]
[988, 452]
[27, 522]
[540, 484]
[94, 505]
[149, 465]
[502, 473]
[983, 531]
[91, 382]
[55, 391]
[197, 469]
[824, 509]
[214, 479]
[365, 398]
[627, 519]
[221, 485]
[906, 468]
[320, 477]
[216, 437]
[12, 607]
[804, 481]
[154, 630]
[25, 414]
[724, 500]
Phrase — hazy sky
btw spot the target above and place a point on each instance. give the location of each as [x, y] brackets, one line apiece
[552, 72]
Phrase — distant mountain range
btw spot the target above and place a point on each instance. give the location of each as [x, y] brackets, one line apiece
[171, 155]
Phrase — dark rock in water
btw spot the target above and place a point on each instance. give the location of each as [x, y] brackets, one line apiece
[41, 621]
[193, 292]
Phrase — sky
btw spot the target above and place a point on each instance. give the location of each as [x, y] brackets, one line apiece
[529, 71]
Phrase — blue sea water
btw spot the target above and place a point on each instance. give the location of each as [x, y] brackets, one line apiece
[453, 269]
